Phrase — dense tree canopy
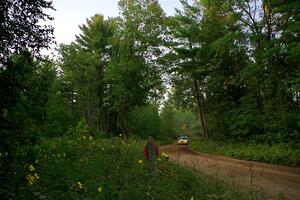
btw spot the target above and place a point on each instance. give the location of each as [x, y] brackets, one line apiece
[244, 70]
[24, 80]
[21, 28]
[233, 63]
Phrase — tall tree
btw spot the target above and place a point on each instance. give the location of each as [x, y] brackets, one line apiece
[185, 27]
[21, 38]
[144, 22]
[133, 72]
[211, 53]
[24, 95]
[272, 28]
[84, 62]
[60, 111]
[21, 28]
[224, 52]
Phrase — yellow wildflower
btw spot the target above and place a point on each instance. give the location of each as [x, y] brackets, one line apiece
[192, 198]
[36, 176]
[165, 155]
[159, 159]
[83, 137]
[80, 185]
[140, 161]
[99, 189]
[31, 179]
[91, 138]
[31, 168]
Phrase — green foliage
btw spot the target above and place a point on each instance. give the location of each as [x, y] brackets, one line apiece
[61, 113]
[59, 116]
[167, 122]
[84, 63]
[133, 74]
[111, 65]
[281, 153]
[20, 28]
[144, 121]
[82, 168]
[242, 66]
[184, 118]
[127, 86]
[190, 66]
[176, 122]
[24, 87]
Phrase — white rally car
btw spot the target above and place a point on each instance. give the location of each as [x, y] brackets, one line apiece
[183, 139]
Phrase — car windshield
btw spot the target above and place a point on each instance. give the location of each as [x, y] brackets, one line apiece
[184, 137]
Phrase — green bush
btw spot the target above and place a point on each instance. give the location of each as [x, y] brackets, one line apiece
[282, 154]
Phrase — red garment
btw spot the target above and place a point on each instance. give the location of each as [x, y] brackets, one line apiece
[146, 151]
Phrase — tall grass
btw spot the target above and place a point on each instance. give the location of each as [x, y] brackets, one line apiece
[88, 168]
[282, 154]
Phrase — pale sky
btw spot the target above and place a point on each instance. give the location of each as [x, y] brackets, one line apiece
[71, 13]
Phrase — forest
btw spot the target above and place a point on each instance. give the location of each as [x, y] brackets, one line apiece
[221, 70]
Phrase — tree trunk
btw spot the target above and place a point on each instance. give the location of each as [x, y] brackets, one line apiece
[200, 107]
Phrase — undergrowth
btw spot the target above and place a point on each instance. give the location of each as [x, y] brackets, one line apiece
[281, 154]
[89, 168]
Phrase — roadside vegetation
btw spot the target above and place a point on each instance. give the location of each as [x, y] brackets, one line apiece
[281, 154]
[85, 167]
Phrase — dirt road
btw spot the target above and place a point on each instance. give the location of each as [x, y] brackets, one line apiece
[277, 181]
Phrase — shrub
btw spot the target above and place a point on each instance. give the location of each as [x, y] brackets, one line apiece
[282, 153]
